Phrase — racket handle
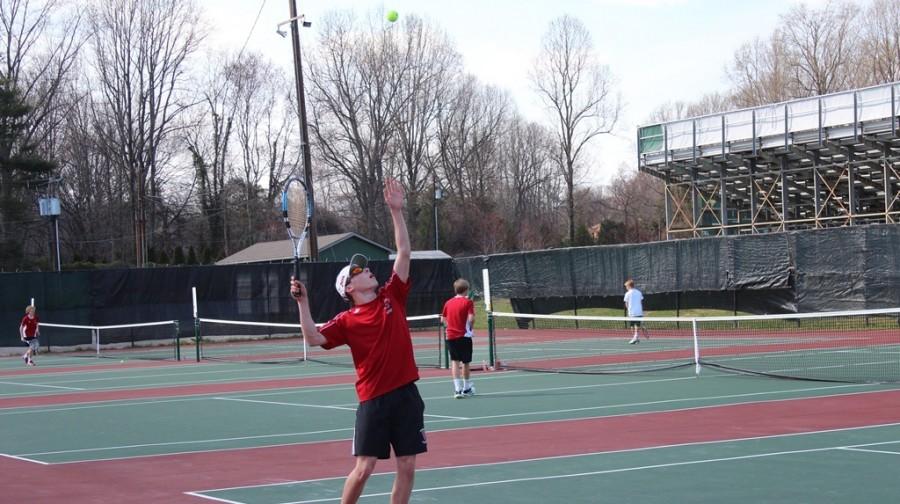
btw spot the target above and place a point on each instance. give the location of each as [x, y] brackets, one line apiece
[297, 277]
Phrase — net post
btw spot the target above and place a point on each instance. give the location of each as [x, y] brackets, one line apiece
[96, 333]
[696, 347]
[196, 323]
[444, 351]
[492, 342]
[305, 347]
[177, 342]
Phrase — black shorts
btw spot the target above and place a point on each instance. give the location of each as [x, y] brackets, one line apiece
[634, 323]
[460, 349]
[394, 419]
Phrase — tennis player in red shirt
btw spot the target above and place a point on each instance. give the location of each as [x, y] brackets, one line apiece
[29, 332]
[458, 315]
[391, 411]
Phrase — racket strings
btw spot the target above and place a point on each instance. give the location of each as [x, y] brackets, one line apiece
[296, 207]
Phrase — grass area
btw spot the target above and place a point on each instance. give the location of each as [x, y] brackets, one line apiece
[504, 305]
[839, 323]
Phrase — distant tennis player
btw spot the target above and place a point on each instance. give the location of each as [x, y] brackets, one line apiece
[634, 303]
[29, 331]
[391, 411]
[458, 315]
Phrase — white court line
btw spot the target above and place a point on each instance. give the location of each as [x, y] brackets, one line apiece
[847, 448]
[226, 501]
[581, 475]
[137, 374]
[202, 441]
[114, 448]
[38, 385]
[23, 459]
[575, 475]
[303, 405]
[276, 403]
[682, 400]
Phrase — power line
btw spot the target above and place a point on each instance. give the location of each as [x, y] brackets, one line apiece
[247, 40]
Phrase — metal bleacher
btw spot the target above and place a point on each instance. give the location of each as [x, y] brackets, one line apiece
[822, 161]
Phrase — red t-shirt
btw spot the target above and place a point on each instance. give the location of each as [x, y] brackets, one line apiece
[456, 312]
[379, 339]
[30, 325]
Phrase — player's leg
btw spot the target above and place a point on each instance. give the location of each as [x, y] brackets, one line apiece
[356, 480]
[407, 438]
[466, 357]
[371, 441]
[634, 338]
[403, 482]
[455, 366]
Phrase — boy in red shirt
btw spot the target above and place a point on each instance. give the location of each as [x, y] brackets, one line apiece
[29, 332]
[391, 411]
[458, 316]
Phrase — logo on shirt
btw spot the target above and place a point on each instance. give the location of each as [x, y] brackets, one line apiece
[388, 309]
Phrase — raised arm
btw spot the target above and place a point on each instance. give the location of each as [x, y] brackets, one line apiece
[393, 197]
[308, 326]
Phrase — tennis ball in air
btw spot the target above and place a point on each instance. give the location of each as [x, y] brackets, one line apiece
[392, 16]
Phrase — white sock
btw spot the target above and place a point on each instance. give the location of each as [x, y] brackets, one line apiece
[468, 385]
[457, 384]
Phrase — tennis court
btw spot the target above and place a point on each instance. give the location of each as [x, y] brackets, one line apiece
[81, 429]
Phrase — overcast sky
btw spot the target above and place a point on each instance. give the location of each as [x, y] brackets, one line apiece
[658, 50]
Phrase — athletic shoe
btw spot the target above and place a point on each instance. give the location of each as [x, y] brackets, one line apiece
[458, 395]
[469, 392]
[634, 340]
[30, 363]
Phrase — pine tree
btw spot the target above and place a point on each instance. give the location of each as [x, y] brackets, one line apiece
[178, 256]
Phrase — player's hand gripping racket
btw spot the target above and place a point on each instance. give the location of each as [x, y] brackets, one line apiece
[297, 212]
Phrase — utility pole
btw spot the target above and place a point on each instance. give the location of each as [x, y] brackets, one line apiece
[313, 241]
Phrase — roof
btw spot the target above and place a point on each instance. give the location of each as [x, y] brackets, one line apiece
[281, 250]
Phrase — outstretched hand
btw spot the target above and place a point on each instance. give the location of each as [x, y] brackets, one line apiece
[393, 194]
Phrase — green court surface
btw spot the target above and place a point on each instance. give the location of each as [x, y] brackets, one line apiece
[266, 434]
[821, 467]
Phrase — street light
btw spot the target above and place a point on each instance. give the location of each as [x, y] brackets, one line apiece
[438, 196]
[301, 18]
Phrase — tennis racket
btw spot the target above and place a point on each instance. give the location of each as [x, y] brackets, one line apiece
[297, 213]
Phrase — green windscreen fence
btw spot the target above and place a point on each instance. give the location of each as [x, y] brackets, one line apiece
[651, 139]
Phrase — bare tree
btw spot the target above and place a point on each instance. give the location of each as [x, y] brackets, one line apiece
[530, 192]
[881, 42]
[36, 60]
[820, 46]
[760, 72]
[241, 143]
[433, 64]
[354, 92]
[208, 137]
[140, 55]
[578, 90]
[469, 133]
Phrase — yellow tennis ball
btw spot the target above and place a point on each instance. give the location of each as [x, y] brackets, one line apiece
[392, 16]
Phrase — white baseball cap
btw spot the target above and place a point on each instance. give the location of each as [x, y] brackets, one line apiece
[357, 263]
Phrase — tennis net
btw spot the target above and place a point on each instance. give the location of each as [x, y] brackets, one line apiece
[851, 346]
[147, 340]
[278, 343]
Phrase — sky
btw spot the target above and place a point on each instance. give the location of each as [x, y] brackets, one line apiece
[659, 51]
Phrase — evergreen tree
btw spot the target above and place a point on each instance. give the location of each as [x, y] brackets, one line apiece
[178, 256]
[192, 256]
[20, 163]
